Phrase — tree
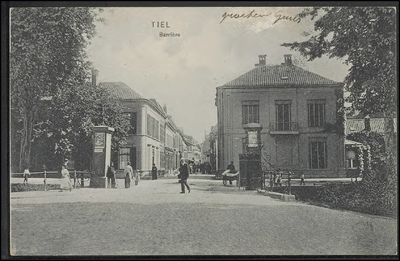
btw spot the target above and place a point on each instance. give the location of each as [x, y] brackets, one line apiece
[68, 119]
[47, 56]
[365, 38]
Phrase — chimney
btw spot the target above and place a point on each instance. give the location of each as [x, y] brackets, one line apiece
[288, 59]
[261, 59]
[95, 73]
[367, 123]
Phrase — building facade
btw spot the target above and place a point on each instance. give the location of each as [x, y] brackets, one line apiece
[154, 138]
[293, 107]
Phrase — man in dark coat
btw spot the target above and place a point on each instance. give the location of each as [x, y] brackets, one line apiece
[111, 176]
[184, 175]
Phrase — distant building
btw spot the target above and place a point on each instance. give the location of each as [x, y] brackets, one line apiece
[209, 148]
[293, 106]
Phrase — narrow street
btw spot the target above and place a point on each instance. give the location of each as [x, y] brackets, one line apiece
[153, 218]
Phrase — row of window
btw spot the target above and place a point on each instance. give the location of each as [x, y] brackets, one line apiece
[316, 113]
[317, 153]
[153, 129]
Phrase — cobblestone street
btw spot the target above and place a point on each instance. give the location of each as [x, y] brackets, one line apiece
[153, 218]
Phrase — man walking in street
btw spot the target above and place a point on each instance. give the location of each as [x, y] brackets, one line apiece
[184, 175]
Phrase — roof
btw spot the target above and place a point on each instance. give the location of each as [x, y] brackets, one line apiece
[156, 104]
[377, 125]
[279, 75]
[120, 90]
[352, 142]
[171, 122]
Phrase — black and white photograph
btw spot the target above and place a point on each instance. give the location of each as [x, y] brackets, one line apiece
[249, 131]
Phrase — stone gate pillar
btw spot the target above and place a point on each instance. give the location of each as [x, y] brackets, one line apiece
[101, 155]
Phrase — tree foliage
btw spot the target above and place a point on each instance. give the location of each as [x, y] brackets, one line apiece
[365, 38]
[376, 143]
[50, 99]
[69, 117]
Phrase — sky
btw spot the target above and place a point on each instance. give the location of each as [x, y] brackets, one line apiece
[183, 72]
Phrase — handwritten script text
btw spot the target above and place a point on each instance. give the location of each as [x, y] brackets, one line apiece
[278, 16]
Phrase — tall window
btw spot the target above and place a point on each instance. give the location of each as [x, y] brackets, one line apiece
[316, 113]
[318, 155]
[153, 127]
[162, 133]
[250, 112]
[124, 157]
[127, 155]
[283, 117]
[162, 159]
[169, 141]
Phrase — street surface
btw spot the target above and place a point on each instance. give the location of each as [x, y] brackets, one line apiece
[153, 218]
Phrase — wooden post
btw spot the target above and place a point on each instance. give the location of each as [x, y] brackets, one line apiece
[44, 181]
[74, 179]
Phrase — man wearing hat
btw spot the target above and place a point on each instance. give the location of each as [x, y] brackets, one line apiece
[184, 175]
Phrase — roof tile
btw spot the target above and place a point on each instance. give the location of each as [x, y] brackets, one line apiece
[279, 75]
[120, 90]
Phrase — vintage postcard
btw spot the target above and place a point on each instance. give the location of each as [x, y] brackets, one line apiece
[203, 131]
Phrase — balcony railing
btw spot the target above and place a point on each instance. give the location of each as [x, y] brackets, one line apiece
[284, 127]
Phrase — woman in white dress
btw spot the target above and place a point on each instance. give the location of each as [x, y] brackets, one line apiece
[65, 182]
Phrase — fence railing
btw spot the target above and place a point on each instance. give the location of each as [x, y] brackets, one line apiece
[142, 173]
[78, 177]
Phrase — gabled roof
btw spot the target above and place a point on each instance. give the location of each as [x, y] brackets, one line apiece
[120, 90]
[279, 75]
